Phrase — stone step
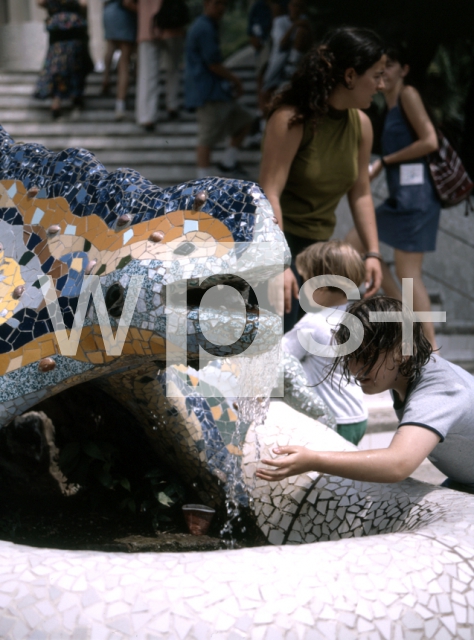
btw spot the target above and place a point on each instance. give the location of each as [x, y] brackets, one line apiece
[140, 141]
[18, 129]
[27, 77]
[30, 108]
[21, 95]
[41, 114]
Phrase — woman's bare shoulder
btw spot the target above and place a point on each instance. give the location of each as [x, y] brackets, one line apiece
[283, 114]
[410, 95]
[365, 124]
[364, 119]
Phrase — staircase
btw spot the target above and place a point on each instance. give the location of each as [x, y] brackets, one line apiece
[166, 156]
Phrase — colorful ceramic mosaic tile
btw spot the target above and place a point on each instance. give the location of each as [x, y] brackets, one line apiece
[62, 215]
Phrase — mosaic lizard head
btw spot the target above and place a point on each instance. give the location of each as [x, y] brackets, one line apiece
[63, 215]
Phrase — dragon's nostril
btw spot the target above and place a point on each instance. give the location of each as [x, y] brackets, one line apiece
[114, 300]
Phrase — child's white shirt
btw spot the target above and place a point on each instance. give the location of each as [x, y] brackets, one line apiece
[344, 399]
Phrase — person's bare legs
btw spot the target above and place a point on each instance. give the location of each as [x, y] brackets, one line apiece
[390, 286]
[56, 107]
[109, 54]
[408, 265]
[203, 159]
[239, 137]
[126, 49]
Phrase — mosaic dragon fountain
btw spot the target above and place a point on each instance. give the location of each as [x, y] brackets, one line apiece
[64, 216]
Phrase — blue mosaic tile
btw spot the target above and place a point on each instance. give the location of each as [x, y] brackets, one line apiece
[89, 188]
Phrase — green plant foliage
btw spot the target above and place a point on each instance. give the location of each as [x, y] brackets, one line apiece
[234, 31]
[447, 85]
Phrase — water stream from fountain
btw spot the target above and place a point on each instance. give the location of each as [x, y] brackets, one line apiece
[257, 376]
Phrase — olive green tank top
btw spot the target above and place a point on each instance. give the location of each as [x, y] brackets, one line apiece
[324, 169]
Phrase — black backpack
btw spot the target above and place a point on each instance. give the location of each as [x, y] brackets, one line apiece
[173, 14]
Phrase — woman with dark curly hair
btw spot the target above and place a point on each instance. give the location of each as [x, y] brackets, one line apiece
[433, 399]
[317, 148]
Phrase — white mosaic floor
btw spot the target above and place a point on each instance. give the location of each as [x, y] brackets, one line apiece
[405, 586]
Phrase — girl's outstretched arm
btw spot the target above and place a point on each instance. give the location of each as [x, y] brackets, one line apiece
[410, 446]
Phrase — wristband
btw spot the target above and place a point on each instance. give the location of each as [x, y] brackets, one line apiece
[373, 254]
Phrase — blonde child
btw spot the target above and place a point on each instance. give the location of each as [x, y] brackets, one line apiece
[344, 398]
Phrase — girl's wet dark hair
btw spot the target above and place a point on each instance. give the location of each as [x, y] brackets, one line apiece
[382, 339]
[323, 68]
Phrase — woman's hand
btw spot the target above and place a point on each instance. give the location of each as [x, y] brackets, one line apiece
[276, 293]
[281, 291]
[291, 289]
[375, 168]
[373, 276]
[296, 460]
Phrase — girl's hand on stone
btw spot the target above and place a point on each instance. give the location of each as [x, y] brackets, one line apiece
[296, 460]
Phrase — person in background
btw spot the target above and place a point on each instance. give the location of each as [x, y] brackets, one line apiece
[317, 148]
[408, 219]
[67, 62]
[212, 89]
[281, 23]
[291, 39]
[259, 24]
[343, 397]
[259, 28]
[120, 26]
[154, 46]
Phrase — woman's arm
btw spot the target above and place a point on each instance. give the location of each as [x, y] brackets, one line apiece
[423, 127]
[362, 208]
[409, 447]
[279, 150]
